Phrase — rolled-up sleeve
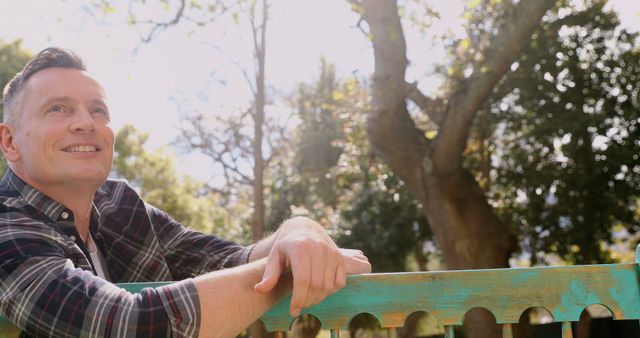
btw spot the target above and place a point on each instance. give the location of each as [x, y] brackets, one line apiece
[44, 294]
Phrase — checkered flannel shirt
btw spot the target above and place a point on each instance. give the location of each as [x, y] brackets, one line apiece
[47, 282]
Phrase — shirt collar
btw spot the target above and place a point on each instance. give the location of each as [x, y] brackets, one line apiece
[45, 204]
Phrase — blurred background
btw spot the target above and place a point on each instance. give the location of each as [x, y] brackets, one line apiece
[232, 115]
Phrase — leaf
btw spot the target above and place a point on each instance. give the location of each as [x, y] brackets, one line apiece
[109, 9]
[474, 3]
[465, 44]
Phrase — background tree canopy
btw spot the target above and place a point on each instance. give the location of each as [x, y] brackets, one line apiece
[564, 136]
[527, 152]
[12, 58]
[154, 175]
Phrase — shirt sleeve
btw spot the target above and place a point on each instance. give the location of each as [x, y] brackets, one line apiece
[191, 253]
[46, 296]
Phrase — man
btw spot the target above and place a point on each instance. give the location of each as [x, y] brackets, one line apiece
[67, 233]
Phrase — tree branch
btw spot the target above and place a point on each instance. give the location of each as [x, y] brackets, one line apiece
[433, 108]
[468, 97]
[161, 25]
[392, 132]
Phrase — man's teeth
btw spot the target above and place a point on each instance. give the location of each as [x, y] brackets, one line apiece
[77, 149]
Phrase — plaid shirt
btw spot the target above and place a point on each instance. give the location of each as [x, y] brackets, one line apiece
[47, 284]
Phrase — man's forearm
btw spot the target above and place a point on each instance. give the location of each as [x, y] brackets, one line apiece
[228, 301]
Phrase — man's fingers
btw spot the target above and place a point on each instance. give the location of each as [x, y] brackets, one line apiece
[301, 271]
[355, 261]
[272, 272]
[331, 268]
[341, 276]
[323, 274]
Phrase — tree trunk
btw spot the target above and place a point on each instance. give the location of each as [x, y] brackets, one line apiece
[257, 330]
[466, 229]
[259, 39]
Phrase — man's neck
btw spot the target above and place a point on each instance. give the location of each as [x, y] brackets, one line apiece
[79, 201]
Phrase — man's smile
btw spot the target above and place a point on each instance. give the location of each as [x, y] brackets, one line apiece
[81, 149]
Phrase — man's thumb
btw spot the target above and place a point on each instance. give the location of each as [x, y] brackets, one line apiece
[271, 274]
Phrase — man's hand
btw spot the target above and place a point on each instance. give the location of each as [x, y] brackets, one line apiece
[355, 261]
[318, 266]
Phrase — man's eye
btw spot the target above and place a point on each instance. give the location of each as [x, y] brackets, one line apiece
[56, 109]
[101, 111]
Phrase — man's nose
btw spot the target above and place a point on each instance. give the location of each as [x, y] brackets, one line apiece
[82, 121]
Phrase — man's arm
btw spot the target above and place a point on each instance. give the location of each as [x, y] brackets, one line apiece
[45, 295]
[318, 266]
[229, 302]
[300, 247]
[191, 253]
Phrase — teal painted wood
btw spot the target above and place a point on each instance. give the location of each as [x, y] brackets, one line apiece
[448, 295]
[564, 291]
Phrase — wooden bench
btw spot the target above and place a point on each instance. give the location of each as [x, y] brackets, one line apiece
[447, 295]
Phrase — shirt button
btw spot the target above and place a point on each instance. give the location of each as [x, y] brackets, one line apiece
[72, 238]
[64, 215]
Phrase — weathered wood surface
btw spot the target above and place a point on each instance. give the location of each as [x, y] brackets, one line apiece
[447, 295]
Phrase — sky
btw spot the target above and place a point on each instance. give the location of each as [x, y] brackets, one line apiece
[184, 70]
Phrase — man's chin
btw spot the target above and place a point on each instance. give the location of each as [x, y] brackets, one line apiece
[86, 178]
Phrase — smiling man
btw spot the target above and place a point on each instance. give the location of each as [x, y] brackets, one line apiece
[67, 232]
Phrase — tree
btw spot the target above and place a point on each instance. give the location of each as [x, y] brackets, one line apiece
[467, 230]
[154, 175]
[301, 175]
[565, 136]
[329, 171]
[583, 112]
[377, 213]
[12, 58]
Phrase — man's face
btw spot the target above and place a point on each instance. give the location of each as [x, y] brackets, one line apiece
[62, 134]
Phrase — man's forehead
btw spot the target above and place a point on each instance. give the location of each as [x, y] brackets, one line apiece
[64, 82]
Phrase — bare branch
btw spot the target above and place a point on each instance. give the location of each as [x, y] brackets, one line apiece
[359, 25]
[434, 108]
[221, 146]
[211, 14]
[161, 25]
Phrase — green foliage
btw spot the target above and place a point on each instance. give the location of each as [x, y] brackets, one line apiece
[377, 214]
[154, 175]
[319, 131]
[302, 177]
[384, 221]
[484, 17]
[332, 174]
[566, 145]
[12, 58]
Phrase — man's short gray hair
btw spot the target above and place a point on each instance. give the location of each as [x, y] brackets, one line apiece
[52, 57]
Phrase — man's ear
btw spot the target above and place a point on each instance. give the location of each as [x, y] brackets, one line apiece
[7, 142]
